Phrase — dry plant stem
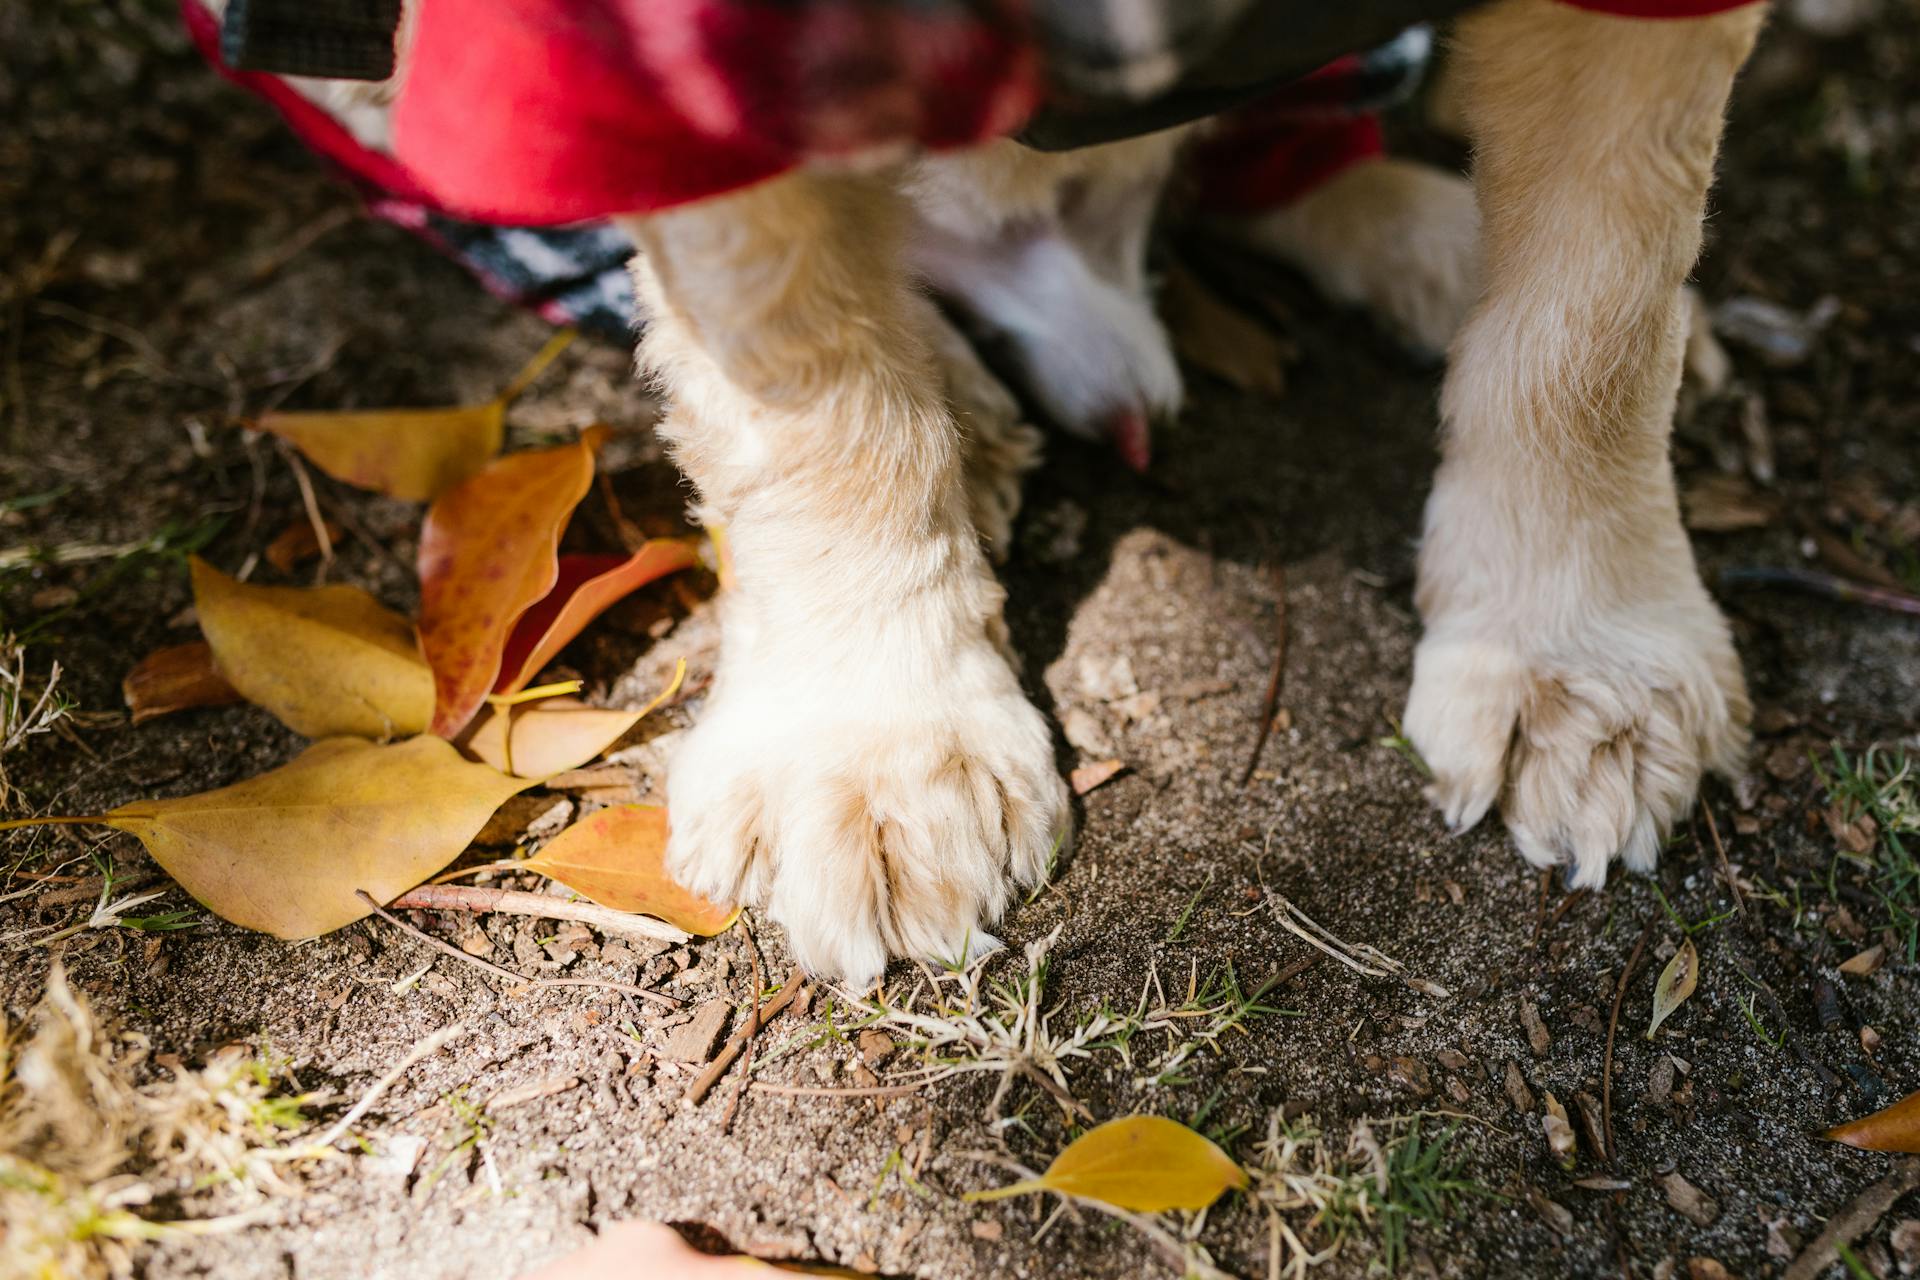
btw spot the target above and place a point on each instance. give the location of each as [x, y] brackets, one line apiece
[518, 902]
[310, 502]
[1567, 904]
[826, 1091]
[1726, 868]
[1613, 1027]
[426, 1048]
[1829, 585]
[755, 1020]
[1853, 1221]
[1270, 705]
[508, 974]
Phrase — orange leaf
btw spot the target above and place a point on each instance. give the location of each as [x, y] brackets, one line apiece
[617, 857]
[586, 587]
[176, 678]
[299, 541]
[1895, 1129]
[488, 552]
[553, 735]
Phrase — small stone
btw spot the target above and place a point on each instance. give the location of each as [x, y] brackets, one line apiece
[1905, 1241]
[1783, 1242]
[876, 1046]
[1660, 1081]
[988, 1229]
[862, 1076]
[1457, 1090]
[1689, 1201]
[1452, 1059]
[1086, 733]
[1537, 1037]
[475, 941]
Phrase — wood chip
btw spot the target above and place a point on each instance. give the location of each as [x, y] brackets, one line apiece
[694, 1040]
[1517, 1091]
[531, 1092]
[1088, 776]
[1558, 1217]
[1689, 1201]
[1537, 1037]
[876, 1046]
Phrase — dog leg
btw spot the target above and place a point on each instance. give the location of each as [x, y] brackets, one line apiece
[998, 446]
[1048, 252]
[867, 764]
[1574, 668]
[1398, 239]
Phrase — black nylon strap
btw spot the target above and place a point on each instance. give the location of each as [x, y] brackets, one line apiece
[338, 39]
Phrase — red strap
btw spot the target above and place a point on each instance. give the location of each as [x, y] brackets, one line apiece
[1660, 8]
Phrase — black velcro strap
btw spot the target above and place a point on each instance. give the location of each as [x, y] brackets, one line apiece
[337, 39]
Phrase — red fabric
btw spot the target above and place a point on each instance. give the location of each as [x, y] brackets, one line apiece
[1272, 152]
[545, 111]
[1660, 8]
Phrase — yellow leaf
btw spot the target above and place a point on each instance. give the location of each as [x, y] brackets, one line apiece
[1897, 1128]
[1144, 1163]
[325, 660]
[548, 737]
[412, 454]
[617, 857]
[1676, 983]
[1212, 334]
[284, 852]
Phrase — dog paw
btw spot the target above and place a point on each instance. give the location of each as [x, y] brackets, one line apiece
[873, 817]
[1001, 449]
[1592, 748]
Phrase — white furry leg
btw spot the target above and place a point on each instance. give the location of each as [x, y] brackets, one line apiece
[999, 448]
[867, 765]
[1398, 239]
[1574, 669]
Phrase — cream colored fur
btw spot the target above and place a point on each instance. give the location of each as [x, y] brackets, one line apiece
[867, 764]
[1574, 670]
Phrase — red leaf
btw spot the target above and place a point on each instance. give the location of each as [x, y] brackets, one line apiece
[587, 586]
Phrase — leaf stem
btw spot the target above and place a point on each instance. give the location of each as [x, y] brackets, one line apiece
[15, 824]
[538, 365]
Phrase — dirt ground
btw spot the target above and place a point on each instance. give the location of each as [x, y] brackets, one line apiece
[173, 260]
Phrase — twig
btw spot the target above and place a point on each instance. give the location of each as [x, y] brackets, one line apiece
[308, 500]
[1858, 1217]
[1726, 868]
[1830, 585]
[762, 1013]
[426, 1048]
[499, 972]
[1827, 1079]
[1270, 705]
[1613, 1027]
[824, 1091]
[518, 902]
[755, 1020]
[1567, 904]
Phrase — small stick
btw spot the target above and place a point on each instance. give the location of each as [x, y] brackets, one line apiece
[1270, 705]
[754, 1020]
[759, 1017]
[518, 902]
[426, 1048]
[1567, 904]
[1726, 868]
[441, 945]
[310, 502]
[1856, 1218]
[1540, 915]
[822, 1091]
[1830, 585]
[1613, 1026]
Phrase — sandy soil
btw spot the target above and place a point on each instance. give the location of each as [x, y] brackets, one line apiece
[183, 288]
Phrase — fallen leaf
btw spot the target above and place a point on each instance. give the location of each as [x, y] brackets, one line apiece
[1866, 963]
[1148, 1164]
[1897, 1128]
[414, 454]
[297, 542]
[1212, 334]
[585, 587]
[1676, 983]
[1088, 776]
[325, 660]
[176, 678]
[488, 553]
[617, 857]
[1690, 1201]
[284, 852]
[1559, 1131]
[553, 736]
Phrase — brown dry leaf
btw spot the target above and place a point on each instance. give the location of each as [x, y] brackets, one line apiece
[488, 552]
[284, 852]
[617, 857]
[297, 542]
[325, 660]
[1720, 503]
[1212, 334]
[1897, 1128]
[1088, 776]
[586, 586]
[1866, 963]
[176, 678]
[1676, 983]
[552, 736]
[1148, 1164]
[415, 454]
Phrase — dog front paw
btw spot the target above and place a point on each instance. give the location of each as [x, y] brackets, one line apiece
[1593, 747]
[871, 821]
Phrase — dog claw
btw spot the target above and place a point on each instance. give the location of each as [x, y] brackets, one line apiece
[1132, 437]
